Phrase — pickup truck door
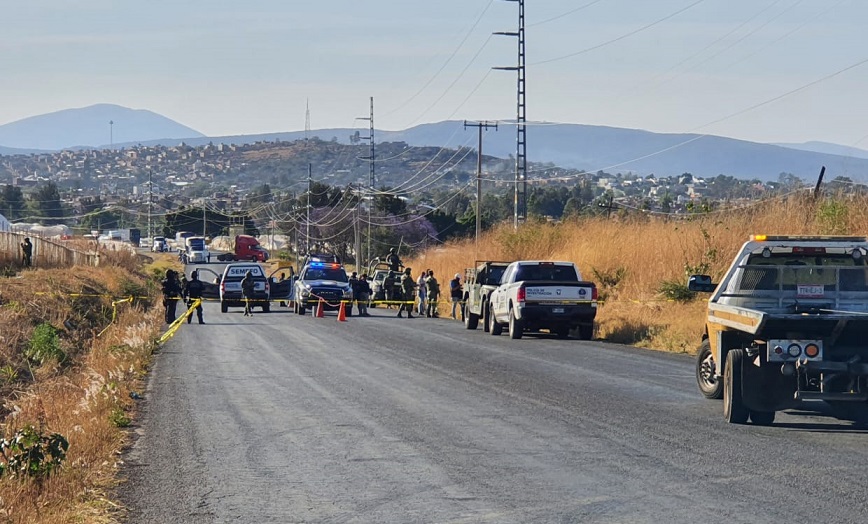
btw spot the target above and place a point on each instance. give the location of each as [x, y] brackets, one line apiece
[281, 289]
[210, 283]
[499, 297]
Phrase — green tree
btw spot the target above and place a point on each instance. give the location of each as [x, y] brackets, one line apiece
[45, 203]
[12, 203]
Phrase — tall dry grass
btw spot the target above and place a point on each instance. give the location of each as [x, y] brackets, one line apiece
[87, 396]
[649, 251]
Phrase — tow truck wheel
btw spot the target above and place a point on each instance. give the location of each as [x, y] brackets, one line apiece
[301, 309]
[734, 410]
[516, 325]
[709, 386]
[223, 307]
[471, 321]
[493, 327]
[484, 310]
[762, 418]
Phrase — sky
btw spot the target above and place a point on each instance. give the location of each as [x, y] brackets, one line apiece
[759, 70]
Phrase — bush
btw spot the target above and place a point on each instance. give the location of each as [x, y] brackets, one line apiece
[44, 345]
[29, 453]
[677, 291]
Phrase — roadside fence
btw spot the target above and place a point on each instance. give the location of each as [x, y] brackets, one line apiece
[46, 253]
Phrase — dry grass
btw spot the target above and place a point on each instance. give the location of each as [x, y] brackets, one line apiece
[82, 397]
[648, 251]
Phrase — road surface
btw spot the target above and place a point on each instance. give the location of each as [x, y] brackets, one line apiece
[281, 418]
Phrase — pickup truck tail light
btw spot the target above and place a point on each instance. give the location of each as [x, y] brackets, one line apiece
[594, 293]
[520, 296]
[223, 287]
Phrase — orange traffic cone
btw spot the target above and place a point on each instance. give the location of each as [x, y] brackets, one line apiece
[342, 313]
[320, 310]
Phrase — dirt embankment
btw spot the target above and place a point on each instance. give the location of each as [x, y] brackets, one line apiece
[73, 354]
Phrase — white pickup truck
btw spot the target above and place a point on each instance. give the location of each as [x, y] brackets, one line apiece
[534, 295]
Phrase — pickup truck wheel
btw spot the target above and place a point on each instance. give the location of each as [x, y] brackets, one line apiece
[734, 410]
[586, 331]
[485, 326]
[471, 321]
[301, 309]
[709, 386]
[762, 418]
[494, 328]
[516, 326]
[266, 308]
[224, 308]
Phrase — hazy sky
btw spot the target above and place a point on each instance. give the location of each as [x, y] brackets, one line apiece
[241, 67]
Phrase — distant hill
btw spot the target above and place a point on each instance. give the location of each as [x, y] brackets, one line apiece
[89, 127]
[831, 149]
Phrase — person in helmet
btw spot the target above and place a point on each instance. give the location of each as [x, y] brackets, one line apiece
[171, 294]
[394, 260]
[193, 291]
[248, 286]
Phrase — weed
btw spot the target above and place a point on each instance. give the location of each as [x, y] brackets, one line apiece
[44, 345]
[30, 453]
[8, 374]
[119, 418]
[832, 217]
[8, 272]
[675, 290]
[608, 280]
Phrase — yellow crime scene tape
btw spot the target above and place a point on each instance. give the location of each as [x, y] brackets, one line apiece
[174, 326]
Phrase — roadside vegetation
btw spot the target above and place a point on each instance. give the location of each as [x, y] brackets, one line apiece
[640, 262]
[70, 374]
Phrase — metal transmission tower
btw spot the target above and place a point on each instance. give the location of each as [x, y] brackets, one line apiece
[481, 126]
[520, 120]
[372, 179]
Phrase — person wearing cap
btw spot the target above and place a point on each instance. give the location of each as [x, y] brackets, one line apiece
[248, 286]
[456, 293]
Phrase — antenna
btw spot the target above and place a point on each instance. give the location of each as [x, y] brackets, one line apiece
[306, 118]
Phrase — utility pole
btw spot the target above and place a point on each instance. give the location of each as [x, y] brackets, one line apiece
[372, 178]
[520, 200]
[307, 233]
[484, 125]
[150, 207]
[204, 220]
[306, 119]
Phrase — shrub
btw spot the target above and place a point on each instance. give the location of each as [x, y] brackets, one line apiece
[30, 453]
[677, 291]
[44, 345]
[119, 418]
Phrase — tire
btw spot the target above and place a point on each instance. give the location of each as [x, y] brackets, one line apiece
[586, 331]
[516, 326]
[563, 332]
[485, 326]
[301, 309]
[734, 410]
[709, 386]
[471, 321]
[266, 308]
[762, 418]
[348, 310]
[494, 328]
[224, 308]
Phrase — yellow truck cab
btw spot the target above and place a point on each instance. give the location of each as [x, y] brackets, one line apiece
[787, 323]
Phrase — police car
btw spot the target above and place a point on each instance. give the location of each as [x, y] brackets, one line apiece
[321, 279]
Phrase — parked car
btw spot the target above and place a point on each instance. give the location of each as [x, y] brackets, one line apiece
[160, 245]
[230, 286]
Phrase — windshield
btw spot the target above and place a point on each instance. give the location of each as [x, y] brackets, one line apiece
[796, 272]
[494, 274]
[326, 273]
[546, 272]
[197, 244]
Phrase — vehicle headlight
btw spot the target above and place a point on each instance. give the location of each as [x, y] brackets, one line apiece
[348, 293]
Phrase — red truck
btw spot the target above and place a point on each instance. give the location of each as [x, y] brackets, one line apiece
[246, 248]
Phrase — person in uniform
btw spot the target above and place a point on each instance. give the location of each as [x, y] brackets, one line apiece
[171, 294]
[433, 294]
[192, 291]
[389, 289]
[394, 260]
[247, 288]
[362, 295]
[408, 285]
[27, 252]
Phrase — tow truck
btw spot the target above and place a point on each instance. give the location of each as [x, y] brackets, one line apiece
[786, 325]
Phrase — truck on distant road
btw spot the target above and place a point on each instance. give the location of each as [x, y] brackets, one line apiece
[535, 295]
[479, 282]
[195, 252]
[787, 323]
[245, 247]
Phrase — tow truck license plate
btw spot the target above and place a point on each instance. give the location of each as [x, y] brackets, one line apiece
[558, 310]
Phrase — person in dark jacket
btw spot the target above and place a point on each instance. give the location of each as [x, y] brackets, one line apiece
[171, 294]
[247, 288]
[362, 294]
[408, 286]
[456, 294]
[27, 252]
[193, 290]
[394, 260]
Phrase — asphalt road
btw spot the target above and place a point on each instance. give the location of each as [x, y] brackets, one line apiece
[280, 418]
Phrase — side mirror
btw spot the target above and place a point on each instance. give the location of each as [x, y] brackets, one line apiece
[701, 283]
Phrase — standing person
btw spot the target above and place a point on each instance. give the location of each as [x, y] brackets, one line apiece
[192, 291]
[456, 293]
[433, 294]
[393, 260]
[408, 285]
[171, 294]
[247, 288]
[27, 252]
[362, 295]
[423, 291]
[354, 285]
[389, 289]
[282, 279]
